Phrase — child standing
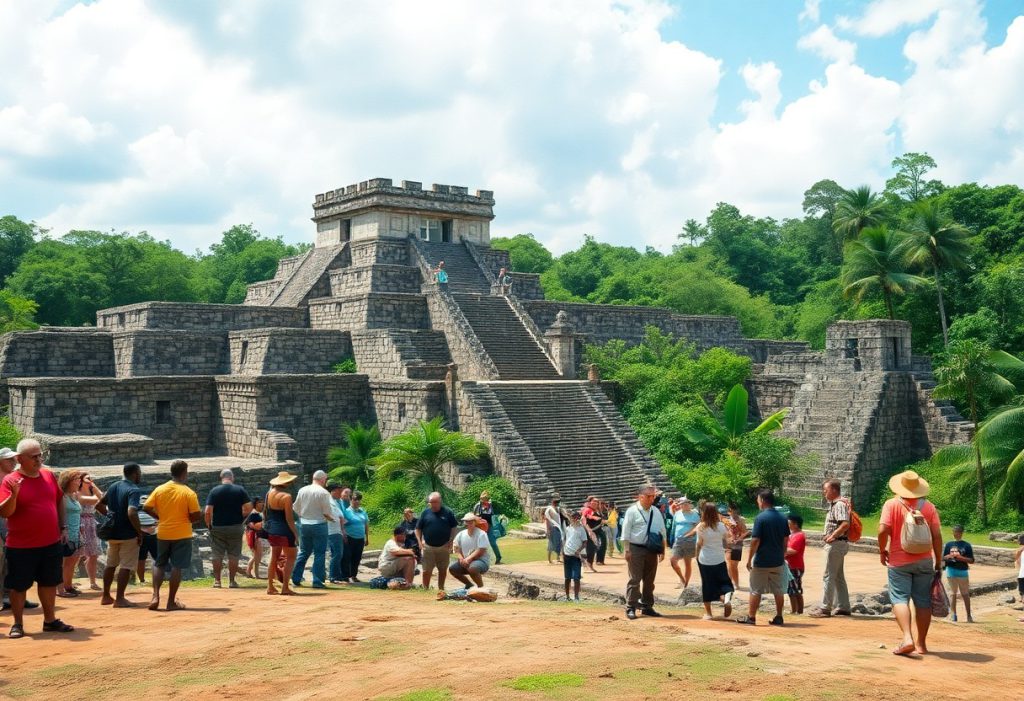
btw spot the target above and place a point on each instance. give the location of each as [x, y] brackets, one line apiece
[795, 559]
[572, 563]
[958, 556]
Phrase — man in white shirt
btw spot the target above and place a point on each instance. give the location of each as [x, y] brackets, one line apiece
[313, 509]
[395, 559]
[553, 527]
[336, 533]
[471, 547]
[641, 521]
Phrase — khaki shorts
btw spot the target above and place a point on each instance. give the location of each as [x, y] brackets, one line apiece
[766, 580]
[123, 554]
[393, 569]
[435, 558]
[959, 585]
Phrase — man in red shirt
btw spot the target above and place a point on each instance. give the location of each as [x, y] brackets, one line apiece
[33, 505]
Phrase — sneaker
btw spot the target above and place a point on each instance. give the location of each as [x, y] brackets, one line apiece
[777, 621]
[841, 612]
[952, 617]
[216, 584]
[651, 612]
[631, 614]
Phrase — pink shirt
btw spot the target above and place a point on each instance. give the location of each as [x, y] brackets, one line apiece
[893, 514]
[34, 521]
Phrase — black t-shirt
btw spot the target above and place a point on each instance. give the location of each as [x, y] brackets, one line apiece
[119, 497]
[410, 532]
[962, 547]
[227, 501]
[771, 527]
[437, 527]
[254, 518]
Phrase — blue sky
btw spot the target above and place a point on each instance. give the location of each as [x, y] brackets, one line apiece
[615, 119]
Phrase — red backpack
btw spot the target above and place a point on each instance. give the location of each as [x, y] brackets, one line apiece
[856, 529]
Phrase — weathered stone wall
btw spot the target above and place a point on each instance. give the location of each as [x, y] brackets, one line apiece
[53, 352]
[602, 323]
[287, 351]
[261, 292]
[176, 412]
[308, 409]
[527, 286]
[369, 311]
[769, 394]
[875, 344]
[286, 266]
[399, 405]
[380, 252]
[378, 277]
[83, 451]
[401, 354]
[197, 317]
[761, 350]
[797, 364]
[145, 352]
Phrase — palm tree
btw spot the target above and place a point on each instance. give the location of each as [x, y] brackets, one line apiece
[877, 258]
[976, 374]
[727, 431]
[420, 453]
[937, 241]
[857, 210]
[353, 461]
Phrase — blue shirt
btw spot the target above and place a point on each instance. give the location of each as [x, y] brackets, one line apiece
[355, 522]
[118, 498]
[684, 523]
[771, 528]
[955, 568]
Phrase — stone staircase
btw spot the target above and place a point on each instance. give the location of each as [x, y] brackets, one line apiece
[943, 423]
[464, 275]
[831, 417]
[513, 349]
[310, 277]
[579, 442]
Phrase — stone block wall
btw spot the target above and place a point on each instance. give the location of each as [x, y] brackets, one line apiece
[309, 409]
[761, 350]
[82, 451]
[176, 412]
[772, 393]
[876, 344]
[261, 292]
[380, 252]
[399, 405]
[602, 323]
[287, 351]
[527, 286]
[286, 266]
[369, 311]
[796, 364]
[378, 277]
[53, 352]
[146, 352]
[197, 317]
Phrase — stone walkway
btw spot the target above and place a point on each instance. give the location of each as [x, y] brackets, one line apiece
[864, 575]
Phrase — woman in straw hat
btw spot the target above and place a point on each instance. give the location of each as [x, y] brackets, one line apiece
[910, 573]
[279, 524]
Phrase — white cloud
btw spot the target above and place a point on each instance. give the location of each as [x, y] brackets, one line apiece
[826, 44]
[581, 116]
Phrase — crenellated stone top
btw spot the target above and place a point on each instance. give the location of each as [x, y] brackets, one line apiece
[410, 194]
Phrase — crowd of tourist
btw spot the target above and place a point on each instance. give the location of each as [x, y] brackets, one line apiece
[48, 525]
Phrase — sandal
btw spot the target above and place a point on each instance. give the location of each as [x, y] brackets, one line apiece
[777, 621]
[57, 626]
[746, 620]
[17, 631]
[68, 593]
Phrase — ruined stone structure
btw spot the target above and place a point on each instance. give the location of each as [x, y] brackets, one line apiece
[253, 385]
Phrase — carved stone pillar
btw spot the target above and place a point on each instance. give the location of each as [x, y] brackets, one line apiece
[561, 338]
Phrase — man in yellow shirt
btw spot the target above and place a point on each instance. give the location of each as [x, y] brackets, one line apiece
[176, 507]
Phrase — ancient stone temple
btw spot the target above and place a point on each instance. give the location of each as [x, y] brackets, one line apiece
[252, 386]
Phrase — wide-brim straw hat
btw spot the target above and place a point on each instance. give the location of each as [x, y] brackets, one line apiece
[283, 478]
[909, 485]
[470, 517]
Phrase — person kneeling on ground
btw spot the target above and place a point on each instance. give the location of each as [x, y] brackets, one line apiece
[575, 545]
[474, 556]
[396, 560]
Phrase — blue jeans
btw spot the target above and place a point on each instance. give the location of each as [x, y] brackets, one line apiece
[312, 541]
[337, 545]
[494, 546]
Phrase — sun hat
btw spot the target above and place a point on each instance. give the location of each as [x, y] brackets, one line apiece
[6, 453]
[909, 485]
[683, 500]
[469, 517]
[283, 478]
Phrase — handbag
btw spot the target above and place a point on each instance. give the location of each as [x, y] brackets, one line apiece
[940, 599]
[653, 541]
[104, 527]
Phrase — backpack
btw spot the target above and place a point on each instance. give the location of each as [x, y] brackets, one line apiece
[856, 529]
[916, 534]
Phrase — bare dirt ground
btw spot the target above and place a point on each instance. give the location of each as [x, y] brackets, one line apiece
[364, 644]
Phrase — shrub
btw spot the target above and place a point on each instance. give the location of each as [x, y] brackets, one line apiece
[9, 435]
[726, 479]
[348, 365]
[384, 501]
[503, 495]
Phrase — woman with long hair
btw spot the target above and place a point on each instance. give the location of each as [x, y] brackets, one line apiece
[282, 534]
[255, 537]
[89, 496]
[712, 541]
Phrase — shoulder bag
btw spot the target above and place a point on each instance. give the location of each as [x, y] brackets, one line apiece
[653, 541]
[916, 534]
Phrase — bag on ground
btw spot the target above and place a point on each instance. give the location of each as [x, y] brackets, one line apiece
[940, 599]
[916, 534]
[482, 594]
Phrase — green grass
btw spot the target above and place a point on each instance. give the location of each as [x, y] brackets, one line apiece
[547, 681]
[517, 550]
[814, 521]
